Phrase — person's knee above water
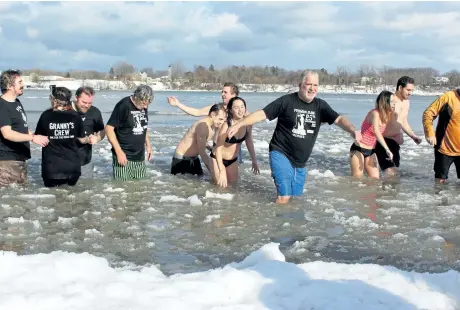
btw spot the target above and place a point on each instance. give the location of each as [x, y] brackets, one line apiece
[362, 156]
[15, 134]
[127, 132]
[396, 126]
[65, 130]
[225, 153]
[299, 115]
[94, 127]
[446, 138]
[194, 143]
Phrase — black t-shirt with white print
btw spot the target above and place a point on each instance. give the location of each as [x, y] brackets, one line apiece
[93, 123]
[13, 114]
[60, 158]
[297, 126]
[130, 128]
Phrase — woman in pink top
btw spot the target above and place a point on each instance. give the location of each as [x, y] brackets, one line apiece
[362, 154]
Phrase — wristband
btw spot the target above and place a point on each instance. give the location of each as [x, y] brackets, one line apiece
[33, 136]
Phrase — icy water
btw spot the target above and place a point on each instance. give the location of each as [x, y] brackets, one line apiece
[186, 224]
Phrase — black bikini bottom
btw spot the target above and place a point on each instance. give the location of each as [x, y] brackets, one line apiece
[226, 162]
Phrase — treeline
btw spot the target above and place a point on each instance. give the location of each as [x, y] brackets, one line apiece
[204, 77]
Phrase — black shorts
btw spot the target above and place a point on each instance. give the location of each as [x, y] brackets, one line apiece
[382, 156]
[356, 148]
[186, 165]
[71, 181]
[442, 165]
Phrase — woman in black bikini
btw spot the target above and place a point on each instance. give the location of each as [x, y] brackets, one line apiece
[225, 154]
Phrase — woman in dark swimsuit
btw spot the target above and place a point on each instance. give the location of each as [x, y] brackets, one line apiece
[225, 154]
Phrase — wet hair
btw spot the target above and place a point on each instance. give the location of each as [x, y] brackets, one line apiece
[404, 81]
[217, 108]
[229, 108]
[7, 79]
[234, 87]
[60, 96]
[87, 90]
[143, 93]
[383, 105]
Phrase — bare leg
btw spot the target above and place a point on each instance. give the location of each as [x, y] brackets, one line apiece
[356, 164]
[232, 173]
[372, 167]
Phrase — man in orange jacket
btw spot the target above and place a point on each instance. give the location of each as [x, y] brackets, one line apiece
[446, 138]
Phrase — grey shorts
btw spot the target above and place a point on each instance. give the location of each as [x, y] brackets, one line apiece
[12, 171]
[87, 171]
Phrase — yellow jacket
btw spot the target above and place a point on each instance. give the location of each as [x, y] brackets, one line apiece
[447, 107]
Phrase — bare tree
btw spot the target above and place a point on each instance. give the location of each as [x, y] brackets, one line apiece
[177, 71]
[123, 69]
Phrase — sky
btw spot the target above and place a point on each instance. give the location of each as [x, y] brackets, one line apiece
[292, 35]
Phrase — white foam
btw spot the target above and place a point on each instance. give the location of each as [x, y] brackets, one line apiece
[226, 196]
[326, 174]
[172, 198]
[211, 217]
[113, 190]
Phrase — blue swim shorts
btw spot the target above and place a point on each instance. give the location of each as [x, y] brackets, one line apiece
[289, 180]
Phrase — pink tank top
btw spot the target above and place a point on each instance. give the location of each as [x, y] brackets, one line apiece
[367, 132]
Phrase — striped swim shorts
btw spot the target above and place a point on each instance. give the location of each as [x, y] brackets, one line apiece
[131, 171]
[12, 171]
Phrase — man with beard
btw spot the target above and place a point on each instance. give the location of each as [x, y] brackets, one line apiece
[299, 115]
[15, 136]
[94, 128]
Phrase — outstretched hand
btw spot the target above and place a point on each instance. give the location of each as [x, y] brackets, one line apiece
[173, 101]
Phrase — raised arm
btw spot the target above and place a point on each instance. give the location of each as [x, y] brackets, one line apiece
[249, 120]
[202, 133]
[173, 101]
[345, 124]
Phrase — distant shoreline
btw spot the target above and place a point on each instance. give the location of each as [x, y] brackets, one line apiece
[101, 85]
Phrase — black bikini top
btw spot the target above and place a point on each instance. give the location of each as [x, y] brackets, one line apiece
[234, 140]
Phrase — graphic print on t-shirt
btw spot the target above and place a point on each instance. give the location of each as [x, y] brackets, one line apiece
[140, 122]
[305, 121]
[62, 130]
[24, 118]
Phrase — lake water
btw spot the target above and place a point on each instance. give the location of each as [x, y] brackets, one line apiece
[412, 224]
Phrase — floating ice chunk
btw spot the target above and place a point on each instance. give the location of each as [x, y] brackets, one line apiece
[211, 217]
[326, 174]
[110, 189]
[194, 201]
[172, 198]
[227, 196]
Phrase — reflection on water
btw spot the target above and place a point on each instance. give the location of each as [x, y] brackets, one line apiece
[411, 224]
